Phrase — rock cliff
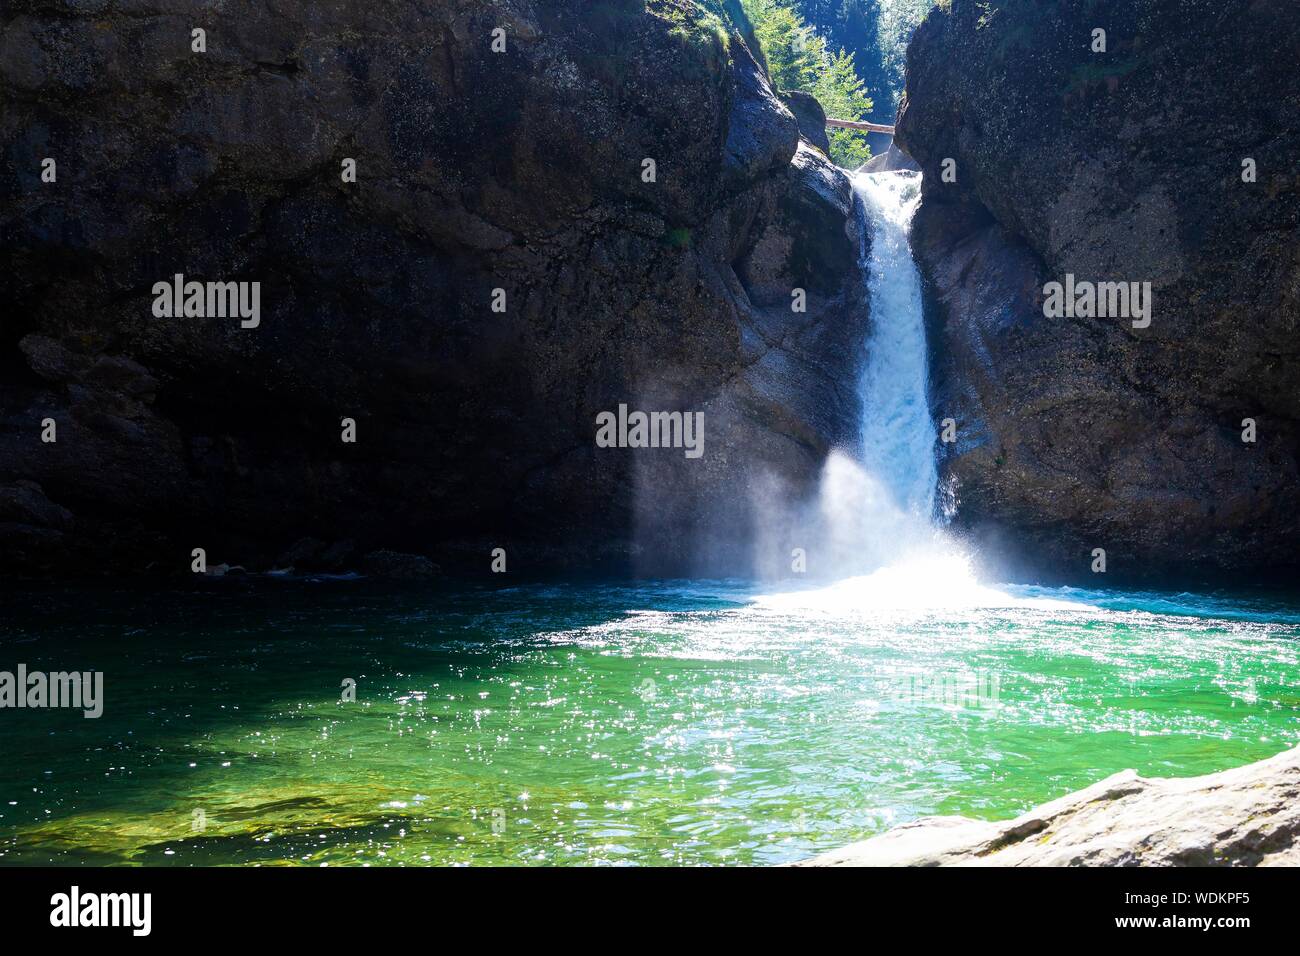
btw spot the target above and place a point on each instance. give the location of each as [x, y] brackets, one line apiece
[505, 265]
[1160, 150]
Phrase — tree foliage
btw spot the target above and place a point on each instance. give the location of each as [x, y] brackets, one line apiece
[841, 93]
[798, 58]
[876, 32]
[895, 22]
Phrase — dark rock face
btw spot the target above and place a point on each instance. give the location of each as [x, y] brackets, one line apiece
[810, 116]
[476, 171]
[1082, 433]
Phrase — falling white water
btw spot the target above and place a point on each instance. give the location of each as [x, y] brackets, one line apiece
[877, 502]
[898, 437]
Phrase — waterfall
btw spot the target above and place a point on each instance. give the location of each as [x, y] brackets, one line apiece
[877, 499]
[877, 535]
[898, 434]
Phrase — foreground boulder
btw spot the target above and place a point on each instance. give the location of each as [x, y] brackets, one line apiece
[463, 254]
[1168, 158]
[1249, 816]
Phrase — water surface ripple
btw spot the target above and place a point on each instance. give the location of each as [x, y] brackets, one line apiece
[700, 722]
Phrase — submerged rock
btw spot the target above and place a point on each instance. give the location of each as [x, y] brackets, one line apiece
[1249, 816]
[1148, 161]
[501, 270]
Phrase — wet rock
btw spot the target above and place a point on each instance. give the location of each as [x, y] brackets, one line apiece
[1082, 433]
[811, 117]
[890, 160]
[762, 134]
[337, 556]
[313, 555]
[1249, 816]
[303, 553]
[399, 567]
[522, 171]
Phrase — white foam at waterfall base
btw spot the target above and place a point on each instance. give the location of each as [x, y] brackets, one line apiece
[876, 502]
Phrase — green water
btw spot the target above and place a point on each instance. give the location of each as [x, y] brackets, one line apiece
[666, 724]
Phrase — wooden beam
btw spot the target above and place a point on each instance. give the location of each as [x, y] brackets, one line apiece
[853, 124]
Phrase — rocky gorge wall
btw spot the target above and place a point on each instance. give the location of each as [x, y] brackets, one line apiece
[1171, 156]
[480, 166]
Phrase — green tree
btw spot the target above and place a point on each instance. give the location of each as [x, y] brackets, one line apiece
[799, 59]
[793, 50]
[842, 95]
[896, 22]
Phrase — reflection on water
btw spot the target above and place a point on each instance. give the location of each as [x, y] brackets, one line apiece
[673, 723]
